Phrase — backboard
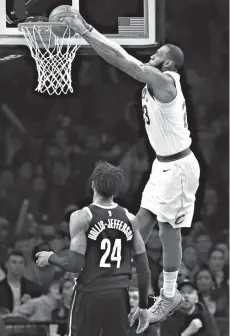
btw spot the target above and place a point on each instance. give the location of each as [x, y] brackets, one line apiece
[131, 23]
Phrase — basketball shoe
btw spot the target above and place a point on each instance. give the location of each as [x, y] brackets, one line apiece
[164, 306]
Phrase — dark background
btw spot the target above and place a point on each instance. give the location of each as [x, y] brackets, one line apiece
[50, 162]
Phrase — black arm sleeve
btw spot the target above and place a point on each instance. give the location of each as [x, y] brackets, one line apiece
[73, 262]
[143, 278]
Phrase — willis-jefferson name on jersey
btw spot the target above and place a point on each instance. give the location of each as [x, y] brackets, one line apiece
[112, 223]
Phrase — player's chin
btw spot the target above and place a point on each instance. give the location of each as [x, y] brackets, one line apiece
[154, 64]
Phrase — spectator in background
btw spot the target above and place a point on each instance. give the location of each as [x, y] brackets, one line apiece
[134, 302]
[38, 191]
[216, 263]
[203, 245]
[60, 241]
[4, 239]
[61, 314]
[210, 205]
[6, 182]
[183, 272]
[15, 288]
[134, 163]
[192, 319]
[196, 229]
[215, 299]
[8, 198]
[42, 307]
[190, 260]
[225, 249]
[23, 182]
[25, 245]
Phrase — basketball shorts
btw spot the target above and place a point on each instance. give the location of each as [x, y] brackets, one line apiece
[99, 313]
[171, 189]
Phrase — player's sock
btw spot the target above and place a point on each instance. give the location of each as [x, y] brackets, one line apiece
[170, 283]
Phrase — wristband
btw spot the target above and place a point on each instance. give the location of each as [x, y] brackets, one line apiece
[88, 30]
[49, 255]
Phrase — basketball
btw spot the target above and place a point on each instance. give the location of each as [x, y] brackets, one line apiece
[57, 15]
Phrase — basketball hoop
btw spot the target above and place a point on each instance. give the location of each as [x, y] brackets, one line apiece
[53, 55]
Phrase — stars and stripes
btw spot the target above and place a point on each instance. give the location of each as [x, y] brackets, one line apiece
[131, 26]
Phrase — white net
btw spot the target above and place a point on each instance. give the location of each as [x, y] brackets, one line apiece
[53, 56]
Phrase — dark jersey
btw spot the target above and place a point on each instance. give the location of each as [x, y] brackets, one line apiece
[109, 249]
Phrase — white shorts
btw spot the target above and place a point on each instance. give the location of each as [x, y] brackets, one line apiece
[170, 191]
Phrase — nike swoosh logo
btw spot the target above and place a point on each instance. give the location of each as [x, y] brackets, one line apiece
[166, 170]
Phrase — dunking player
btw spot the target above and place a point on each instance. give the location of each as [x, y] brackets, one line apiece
[169, 195]
[102, 241]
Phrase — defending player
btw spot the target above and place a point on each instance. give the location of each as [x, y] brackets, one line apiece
[169, 195]
[103, 238]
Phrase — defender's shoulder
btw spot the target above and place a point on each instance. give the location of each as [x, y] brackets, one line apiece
[81, 218]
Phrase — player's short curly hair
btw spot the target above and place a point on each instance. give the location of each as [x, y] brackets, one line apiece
[108, 179]
[176, 54]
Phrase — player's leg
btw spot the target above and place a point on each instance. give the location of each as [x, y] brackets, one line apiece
[146, 217]
[170, 298]
[172, 255]
[116, 309]
[85, 319]
[145, 221]
[176, 197]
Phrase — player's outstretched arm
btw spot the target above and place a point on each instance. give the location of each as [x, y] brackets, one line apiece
[115, 55]
[74, 261]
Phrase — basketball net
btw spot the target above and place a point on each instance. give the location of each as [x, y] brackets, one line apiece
[53, 56]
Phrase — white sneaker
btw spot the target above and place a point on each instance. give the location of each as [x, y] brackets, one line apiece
[164, 306]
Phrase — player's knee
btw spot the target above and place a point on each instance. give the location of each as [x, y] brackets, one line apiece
[145, 221]
[169, 235]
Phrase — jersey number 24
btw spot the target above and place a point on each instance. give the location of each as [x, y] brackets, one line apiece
[112, 253]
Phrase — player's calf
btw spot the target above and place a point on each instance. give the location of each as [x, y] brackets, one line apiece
[170, 298]
[172, 254]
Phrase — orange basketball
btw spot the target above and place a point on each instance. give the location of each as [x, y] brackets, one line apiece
[57, 15]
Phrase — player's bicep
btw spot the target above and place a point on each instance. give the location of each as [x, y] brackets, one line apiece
[144, 73]
[78, 225]
[78, 243]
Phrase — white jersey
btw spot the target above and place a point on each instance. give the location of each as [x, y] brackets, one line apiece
[166, 123]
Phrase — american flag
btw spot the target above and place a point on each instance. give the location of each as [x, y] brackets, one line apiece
[131, 26]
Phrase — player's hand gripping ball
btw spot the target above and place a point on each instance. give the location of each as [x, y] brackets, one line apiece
[58, 15]
[77, 23]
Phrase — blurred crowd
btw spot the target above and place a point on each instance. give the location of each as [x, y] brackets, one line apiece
[49, 147]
